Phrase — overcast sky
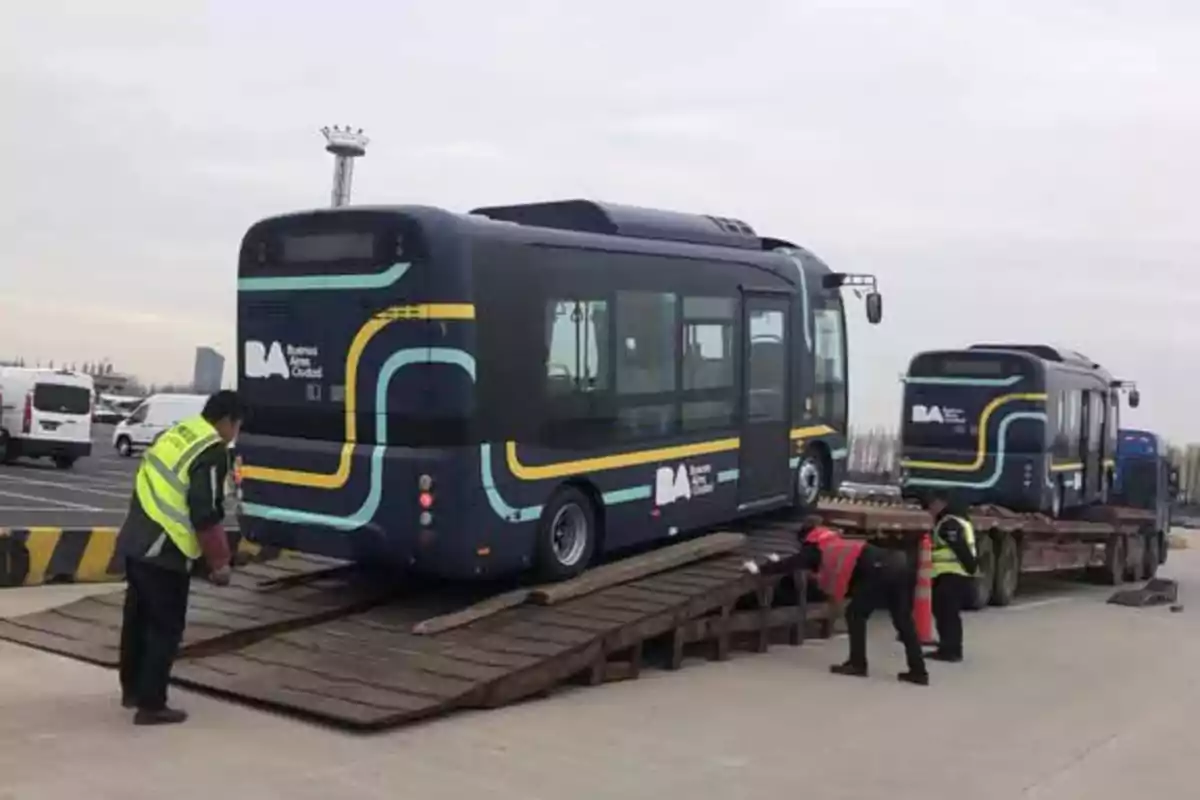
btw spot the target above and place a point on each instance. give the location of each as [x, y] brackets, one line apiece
[1010, 170]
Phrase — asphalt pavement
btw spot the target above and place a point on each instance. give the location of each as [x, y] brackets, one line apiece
[93, 493]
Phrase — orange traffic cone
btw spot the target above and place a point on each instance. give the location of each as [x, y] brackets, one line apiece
[923, 598]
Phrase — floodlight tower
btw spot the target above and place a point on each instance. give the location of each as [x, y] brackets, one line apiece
[346, 145]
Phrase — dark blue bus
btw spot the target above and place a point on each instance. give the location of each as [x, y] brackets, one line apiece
[527, 386]
[1027, 427]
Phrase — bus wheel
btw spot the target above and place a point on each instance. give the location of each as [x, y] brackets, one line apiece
[985, 577]
[566, 535]
[810, 480]
[1008, 570]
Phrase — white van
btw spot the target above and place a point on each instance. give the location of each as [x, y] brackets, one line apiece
[155, 414]
[46, 413]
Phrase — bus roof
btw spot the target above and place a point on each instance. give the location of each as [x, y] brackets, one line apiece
[588, 224]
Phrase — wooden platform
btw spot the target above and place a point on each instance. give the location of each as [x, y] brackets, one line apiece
[371, 671]
[256, 601]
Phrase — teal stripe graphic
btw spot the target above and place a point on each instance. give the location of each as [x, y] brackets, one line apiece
[296, 283]
[951, 381]
[998, 468]
[366, 512]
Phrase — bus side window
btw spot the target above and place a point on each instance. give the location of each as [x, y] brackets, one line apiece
[709, 366]
[646, 353]
[577, 339]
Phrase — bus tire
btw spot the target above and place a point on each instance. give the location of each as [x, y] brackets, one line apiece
[1152, 555]
[812, 478]
[1008, 570]
[985, 576]
[566, 535]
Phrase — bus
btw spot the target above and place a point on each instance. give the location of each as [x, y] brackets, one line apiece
[1145, 478]
[529, 386]
[1027, 427]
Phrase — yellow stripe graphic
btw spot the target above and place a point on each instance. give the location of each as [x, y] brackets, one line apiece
[338, 478]
[981, 445]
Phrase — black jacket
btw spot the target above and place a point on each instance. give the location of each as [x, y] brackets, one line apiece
[206, 507]
[952, 533]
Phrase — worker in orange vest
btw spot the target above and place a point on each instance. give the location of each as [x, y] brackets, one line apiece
[873, 577]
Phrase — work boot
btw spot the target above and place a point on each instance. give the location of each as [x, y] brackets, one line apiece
[853, 670]
[942, 655]
[162, 716]
[917, 678]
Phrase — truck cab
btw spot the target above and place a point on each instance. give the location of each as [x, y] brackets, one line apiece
[1145, 479]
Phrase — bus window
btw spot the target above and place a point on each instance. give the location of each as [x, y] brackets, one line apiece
[829, 367]
[646, 353]
[708, 362]
[578, 333]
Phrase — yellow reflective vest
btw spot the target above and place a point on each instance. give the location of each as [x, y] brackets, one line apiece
[162, 482]
[945, 562]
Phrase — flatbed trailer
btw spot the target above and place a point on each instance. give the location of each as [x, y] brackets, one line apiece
[322, 641]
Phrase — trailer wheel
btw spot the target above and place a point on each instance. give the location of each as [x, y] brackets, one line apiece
[985, 577]
[1008, 570]
[566, 535]
[1115, 556]
[1152, 555]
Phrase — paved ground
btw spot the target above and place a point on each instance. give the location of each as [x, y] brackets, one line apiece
[1064, 697]
[93, 493]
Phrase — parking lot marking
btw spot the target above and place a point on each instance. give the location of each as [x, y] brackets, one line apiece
[44, 510]
[73, 487]
[61, 504]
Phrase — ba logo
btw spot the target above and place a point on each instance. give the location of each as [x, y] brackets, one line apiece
[263, 363]
[927, 414]
[671, 484]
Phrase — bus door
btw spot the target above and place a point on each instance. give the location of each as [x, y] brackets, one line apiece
[1086, 455]
[764, 473]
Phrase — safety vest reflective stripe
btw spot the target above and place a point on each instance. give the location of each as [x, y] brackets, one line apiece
[162, 482]
[945, 562]
[838, 558]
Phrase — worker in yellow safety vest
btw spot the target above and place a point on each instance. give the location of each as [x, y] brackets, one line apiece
[175, 520]
[954, 564]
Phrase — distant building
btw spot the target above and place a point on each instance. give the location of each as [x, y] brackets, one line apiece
[210, 369]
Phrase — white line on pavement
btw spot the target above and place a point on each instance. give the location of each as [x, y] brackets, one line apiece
[50, 500]
[70, 487]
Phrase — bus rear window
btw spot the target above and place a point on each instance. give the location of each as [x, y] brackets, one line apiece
[939, 365]
[59, 399]
[307, 248]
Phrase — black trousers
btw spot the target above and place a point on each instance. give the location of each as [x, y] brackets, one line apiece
[882, 579]
[949, 598]
[151, 630]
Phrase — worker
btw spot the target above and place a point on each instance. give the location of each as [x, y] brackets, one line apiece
[175, 517]
[873, 577]
[954, 562]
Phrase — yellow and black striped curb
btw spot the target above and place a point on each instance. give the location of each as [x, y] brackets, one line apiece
[34, 556]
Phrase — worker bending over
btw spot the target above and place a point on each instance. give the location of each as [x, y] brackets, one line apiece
[873, 577]
[175, 517]
[954, 562]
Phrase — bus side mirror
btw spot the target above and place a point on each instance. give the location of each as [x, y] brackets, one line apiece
[1135, 398]
[874, 308]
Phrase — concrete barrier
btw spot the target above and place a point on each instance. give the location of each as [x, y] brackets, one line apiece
[35, 556]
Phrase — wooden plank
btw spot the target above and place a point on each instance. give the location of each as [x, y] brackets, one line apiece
[631, 569]
[466, 616]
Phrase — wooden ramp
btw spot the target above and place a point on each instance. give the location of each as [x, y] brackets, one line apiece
[371, 670]
[261, 597]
